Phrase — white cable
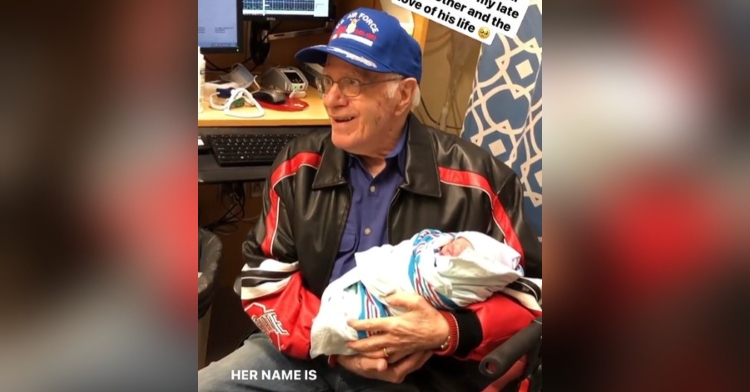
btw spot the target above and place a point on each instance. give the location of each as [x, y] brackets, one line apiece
[238, 93]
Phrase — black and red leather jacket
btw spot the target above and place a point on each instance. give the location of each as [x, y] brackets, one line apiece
[449, 184]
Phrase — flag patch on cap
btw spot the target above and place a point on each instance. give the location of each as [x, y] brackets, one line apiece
[350, 28]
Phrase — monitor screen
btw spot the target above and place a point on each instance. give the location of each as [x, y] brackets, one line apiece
[219, 25]
[287, 9]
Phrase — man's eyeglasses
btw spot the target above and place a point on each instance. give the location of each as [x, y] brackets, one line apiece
[349, 87]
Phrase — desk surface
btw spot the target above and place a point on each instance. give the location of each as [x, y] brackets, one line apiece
[315, 114]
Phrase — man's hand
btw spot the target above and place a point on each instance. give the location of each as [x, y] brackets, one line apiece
[420, 328]
[392, 357]
[380, 370]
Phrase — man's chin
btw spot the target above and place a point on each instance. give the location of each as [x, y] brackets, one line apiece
[342, 140]
[342, 129]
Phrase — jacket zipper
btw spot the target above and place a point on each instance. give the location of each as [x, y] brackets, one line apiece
[332, 263]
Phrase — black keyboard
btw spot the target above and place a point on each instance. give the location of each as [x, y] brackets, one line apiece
[248, 149]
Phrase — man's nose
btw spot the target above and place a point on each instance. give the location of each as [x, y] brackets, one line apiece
[334, 97]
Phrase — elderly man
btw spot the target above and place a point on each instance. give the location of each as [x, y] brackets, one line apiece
[378, 176]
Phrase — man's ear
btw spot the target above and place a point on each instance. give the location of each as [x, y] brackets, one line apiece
[405, 95]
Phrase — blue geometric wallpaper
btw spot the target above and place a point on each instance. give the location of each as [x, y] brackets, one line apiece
[505, 108]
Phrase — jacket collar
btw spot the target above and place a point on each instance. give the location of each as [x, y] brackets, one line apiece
[332, 166]
[421, 173]
[421, 164]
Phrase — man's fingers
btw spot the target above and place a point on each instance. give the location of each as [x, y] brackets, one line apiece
[397, 372]
[372, 365]
[408, 362]
[412, 362]
[373, 354]
[377, 354]
[397, 356]
[375, 324]
[362, 365]
[348, 362]
[392, 357]
[404, 300]
[373, 343]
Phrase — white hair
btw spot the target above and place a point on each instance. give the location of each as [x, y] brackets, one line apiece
[415, 99]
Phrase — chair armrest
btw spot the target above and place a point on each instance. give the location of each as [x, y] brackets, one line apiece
[501, 359]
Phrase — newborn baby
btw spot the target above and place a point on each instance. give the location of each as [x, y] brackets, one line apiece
[450, 270]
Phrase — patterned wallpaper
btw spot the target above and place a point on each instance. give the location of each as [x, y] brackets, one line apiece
[505, 108]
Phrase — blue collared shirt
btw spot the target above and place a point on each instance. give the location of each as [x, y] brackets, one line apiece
[367, 223]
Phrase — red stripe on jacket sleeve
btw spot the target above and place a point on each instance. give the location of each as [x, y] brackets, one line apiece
[286, 169]
[475, 180]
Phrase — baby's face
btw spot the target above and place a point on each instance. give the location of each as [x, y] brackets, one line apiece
[456, 247]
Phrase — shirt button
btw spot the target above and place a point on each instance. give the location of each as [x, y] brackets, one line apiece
[372, 188]
[368, 231]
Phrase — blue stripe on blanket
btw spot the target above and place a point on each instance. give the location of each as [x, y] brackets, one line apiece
[370, 307]
[423, 243]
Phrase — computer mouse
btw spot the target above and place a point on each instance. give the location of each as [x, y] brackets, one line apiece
[270, 96]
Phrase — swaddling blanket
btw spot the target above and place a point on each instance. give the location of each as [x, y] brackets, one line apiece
[412, 266]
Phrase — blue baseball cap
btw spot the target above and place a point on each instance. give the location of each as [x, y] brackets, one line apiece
[372, 40]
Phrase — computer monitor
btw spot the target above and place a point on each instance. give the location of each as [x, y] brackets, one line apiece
[288, 9]
[220, 25]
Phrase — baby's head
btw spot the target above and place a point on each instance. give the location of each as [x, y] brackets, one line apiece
[456, 247]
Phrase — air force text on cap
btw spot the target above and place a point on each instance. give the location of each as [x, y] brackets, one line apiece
[363, 17]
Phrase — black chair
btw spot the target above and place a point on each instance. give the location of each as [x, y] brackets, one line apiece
[517, 363]
[209, 257]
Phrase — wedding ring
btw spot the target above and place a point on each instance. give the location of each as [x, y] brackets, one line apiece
[385, 352]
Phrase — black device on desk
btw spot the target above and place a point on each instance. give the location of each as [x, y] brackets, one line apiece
[273, 97]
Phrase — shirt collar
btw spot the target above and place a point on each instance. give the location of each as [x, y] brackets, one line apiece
[420, 162]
